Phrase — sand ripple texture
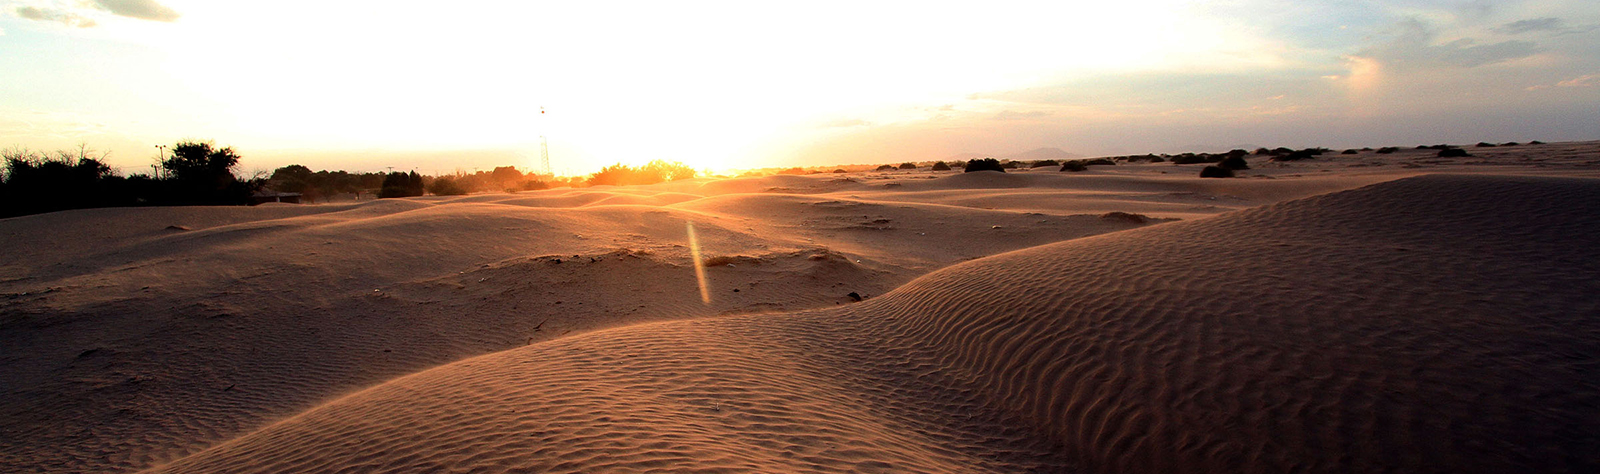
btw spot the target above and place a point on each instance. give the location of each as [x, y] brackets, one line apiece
[1432, 324]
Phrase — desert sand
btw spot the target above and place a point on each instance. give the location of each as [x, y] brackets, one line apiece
[1351, 313]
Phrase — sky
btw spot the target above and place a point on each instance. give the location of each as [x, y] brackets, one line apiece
[447, 86]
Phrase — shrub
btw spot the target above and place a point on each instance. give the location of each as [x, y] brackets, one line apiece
[1305, 154]
[1510, 144]
[1453, 153]
[1351, 151]
[1099, 161]
[840, 170]
[1010, 165]
[1535, 142]
[908, 166]
[1191, 158]
[651, 173]
[984, 164]
[1234, 163]
[1216, 172]
[1485, 145]
[1044, 163]
[1387, 150]
[1074, 166]
[885, 168]
[941, 166]
[446, 186]
[35, 182]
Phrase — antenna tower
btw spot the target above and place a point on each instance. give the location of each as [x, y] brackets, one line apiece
[544, 148]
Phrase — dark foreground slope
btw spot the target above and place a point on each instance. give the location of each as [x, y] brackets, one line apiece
[1433, 324]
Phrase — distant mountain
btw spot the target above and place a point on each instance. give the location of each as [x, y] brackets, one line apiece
[1049, 153]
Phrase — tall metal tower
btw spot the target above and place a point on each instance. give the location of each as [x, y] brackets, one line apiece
[544, 147]
[544, 155]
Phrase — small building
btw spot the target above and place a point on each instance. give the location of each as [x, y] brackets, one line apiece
[268, 195]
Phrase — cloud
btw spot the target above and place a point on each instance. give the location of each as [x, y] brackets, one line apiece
[1589, 80]
[53, 15]
[1014, 115]
[1414, 47]
[141, 9]
[1537, 24]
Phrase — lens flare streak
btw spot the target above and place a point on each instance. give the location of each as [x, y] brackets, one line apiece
[699, 268]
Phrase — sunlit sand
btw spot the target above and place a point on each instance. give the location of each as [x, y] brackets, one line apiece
[1350, 313]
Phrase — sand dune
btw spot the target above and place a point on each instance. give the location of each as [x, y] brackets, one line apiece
[1360, 331]
[1433, 323]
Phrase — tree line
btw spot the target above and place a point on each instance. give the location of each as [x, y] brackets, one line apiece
[201, 173]
[196, 173]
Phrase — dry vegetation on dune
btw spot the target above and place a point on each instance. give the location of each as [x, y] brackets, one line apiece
[1331, 314]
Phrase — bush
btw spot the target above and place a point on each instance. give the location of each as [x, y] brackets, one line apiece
[1099, 161]
[1216, 172]
[1234, 163]
[908, 166]
[885, 168]
[1305, 154]
[1510, 144]
[1535, 142]
[1387, 150]
[984, 164]
[1191, 158]
[1073, 166]
[651, 173]
[1044, 163]
[35, 182]
[840, 170]
[1485, 145]
[1351, 151]
[1453, 153]
[446, 186]
[1009, 165]
[941, 166]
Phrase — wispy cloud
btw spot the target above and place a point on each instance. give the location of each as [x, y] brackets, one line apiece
[54, 15]
[1532, 25]
[1589, 80]
[1015, 115]
[78, 14]
[141, 9]
[1551, 26]
[1413, 47]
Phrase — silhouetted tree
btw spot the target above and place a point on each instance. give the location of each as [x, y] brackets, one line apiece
[397, 185]
[200, 173]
